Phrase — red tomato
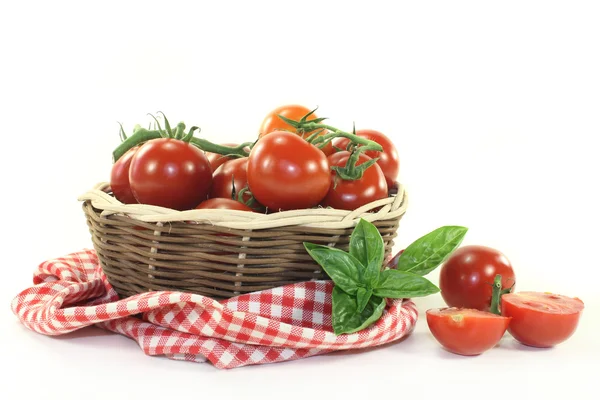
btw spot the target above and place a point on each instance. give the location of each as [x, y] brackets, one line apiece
[286, 172]
[349, 195]
[467, 275]
[223, 204]
[467, 332]
[170, 173]
[216, 160]
[222, 185]
[541, 319]
[389, 161]
[273, 123]
[119, 178]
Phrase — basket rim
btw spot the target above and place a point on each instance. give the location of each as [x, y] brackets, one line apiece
[391, 207]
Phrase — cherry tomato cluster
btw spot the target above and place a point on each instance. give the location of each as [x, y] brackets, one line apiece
[477, 283]
[294, 162]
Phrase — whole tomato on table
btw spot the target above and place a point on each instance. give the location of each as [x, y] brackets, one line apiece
[467, 276]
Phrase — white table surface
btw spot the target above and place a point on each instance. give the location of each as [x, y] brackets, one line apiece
[106, 365]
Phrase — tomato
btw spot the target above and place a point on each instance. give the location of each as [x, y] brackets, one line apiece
[388, 161]
[467, 275]
[170, 173]
[541, 319]
[349, 195]
[467, 332]
[223, 204]
[222, 178]
[272, 122]
[286, 172]
[216, 160]
[119, 178]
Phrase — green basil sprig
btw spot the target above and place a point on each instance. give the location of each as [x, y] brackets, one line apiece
[361, 284]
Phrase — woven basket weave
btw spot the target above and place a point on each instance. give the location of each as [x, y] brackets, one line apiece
[221, 253]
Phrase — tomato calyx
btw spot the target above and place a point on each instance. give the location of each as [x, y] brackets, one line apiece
[321, 141]
[239, 196]
[141, 135]
[497, 292]
[351, 171]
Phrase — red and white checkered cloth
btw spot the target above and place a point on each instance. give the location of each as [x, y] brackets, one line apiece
[281, 324]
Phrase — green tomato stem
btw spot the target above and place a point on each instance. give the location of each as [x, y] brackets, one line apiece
[497, 293]
[369, 144]
[142, 135]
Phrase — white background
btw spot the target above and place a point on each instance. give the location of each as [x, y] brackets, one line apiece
[494, 108]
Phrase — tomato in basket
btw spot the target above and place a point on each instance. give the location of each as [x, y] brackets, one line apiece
[171, 173]
[285, 172]
[351, 194]
[273, 123]
[119, 178]
[223, 204]
[229, 176]
[388, 159]
[216, 160]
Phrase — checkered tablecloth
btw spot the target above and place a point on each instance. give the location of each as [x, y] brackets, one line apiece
[281, 324]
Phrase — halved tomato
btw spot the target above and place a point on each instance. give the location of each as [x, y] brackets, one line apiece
[466, 331]
[541, 319]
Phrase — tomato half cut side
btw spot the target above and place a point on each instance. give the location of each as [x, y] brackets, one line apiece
[465, 331]
[541, 319]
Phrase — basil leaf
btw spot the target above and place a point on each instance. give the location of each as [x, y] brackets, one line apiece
[345, 316]
[426, 253]
[343, 269]
[396, 284]
[362, 298]
[366, 245]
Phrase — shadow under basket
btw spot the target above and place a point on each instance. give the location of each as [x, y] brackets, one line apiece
[221, 253]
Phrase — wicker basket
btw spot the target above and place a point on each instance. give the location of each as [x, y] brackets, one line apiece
[221, 253]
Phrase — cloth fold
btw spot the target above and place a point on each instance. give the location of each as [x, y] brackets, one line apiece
[280, 324]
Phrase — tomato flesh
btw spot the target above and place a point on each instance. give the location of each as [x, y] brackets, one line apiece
[467, 275]
[541, 319]
[170, 173]
[467, 332]
[285, 172]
